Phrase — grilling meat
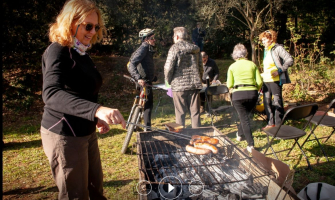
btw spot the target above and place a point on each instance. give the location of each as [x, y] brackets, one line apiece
[203, 139]
[196, 150]
[206, 146]
[192, 141]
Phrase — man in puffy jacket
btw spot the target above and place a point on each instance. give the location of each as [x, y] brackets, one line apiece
[182, 71]
[141, 68]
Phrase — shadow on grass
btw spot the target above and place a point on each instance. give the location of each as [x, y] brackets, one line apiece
[20, 145]
[31, 190]
[316, 150]
[130, 150]
[118, 183]
[113, 131]
[321, 172]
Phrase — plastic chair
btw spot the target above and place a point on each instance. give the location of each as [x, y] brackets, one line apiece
[214, 112]
[322, 120]
[285, 132]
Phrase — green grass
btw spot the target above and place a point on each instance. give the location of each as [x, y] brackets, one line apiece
[27, 175]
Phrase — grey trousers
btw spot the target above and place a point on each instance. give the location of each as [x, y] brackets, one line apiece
[75, 165]
[187, 101]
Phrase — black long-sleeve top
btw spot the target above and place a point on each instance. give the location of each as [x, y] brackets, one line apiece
[71, 84]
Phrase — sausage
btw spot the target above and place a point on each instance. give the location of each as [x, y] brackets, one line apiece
[196, 150]
[192, 141]
[204, 139]
[207, 146]
[199, 137]
[212, 141]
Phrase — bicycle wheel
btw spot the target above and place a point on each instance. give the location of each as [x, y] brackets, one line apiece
[130, 129]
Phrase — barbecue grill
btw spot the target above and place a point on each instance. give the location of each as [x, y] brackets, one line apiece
[168, 171]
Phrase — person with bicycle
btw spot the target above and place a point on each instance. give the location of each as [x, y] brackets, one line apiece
[141, 68]
[182, 71]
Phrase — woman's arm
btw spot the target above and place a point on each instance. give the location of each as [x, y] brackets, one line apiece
[230, 79]
[287, 59]
[169, 65]
[56, 67]
[259, 81]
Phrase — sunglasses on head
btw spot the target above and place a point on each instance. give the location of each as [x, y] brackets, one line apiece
[267, 31]
[90, 26]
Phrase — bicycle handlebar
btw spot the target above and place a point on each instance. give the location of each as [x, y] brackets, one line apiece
[133, 80]
[129, 78]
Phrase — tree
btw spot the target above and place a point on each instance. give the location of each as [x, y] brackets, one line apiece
[252, 14]
[127, 17]
[25, 37]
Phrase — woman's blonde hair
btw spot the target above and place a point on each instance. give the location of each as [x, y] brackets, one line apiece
[270, 34]
[74, 11]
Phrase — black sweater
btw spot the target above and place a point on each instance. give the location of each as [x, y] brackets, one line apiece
[71, 84]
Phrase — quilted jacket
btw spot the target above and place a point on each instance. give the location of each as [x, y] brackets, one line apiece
[183, 67]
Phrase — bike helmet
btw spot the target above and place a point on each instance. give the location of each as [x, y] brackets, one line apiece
[146, 33]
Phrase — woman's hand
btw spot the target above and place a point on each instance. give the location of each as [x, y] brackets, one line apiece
[109, 116]
[141, 82]
[275, 73]
[102, 128]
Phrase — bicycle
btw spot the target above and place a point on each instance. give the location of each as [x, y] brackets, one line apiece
[136, 113]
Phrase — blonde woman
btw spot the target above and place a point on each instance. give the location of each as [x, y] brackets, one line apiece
[71, 83]
[275, 64]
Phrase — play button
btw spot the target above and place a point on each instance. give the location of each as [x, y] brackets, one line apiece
[170, 187]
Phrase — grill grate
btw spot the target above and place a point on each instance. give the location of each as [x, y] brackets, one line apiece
[163, 155]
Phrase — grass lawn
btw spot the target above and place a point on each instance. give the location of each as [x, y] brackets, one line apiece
[26, 172]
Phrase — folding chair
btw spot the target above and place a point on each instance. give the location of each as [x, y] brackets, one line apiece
[215, 112]
[285, 132]
[322, 120]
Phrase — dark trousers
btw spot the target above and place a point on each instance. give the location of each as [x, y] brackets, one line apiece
[148, 107]
[187, 101]
[200, 44]
[204, 101]
[243, 108]
[274, 109]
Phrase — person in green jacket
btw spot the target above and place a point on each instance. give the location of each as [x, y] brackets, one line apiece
[244, 77]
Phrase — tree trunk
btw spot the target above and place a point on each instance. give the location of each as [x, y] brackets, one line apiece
[253, 47]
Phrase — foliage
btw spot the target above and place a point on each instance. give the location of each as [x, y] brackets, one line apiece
[251, 15]
[26, 24]
[25, 28]
[310, 61]
[127, 18]
[315, 20]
